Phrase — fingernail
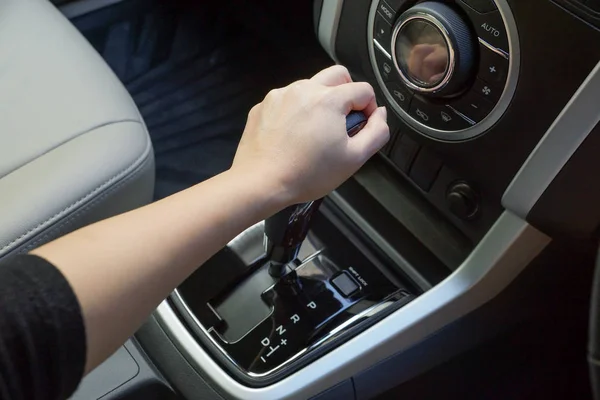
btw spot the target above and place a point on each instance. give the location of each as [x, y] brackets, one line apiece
[384, 110]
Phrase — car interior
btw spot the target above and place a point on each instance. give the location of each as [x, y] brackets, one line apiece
[457, 263]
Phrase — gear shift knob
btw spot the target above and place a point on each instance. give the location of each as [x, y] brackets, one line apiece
[286, 230]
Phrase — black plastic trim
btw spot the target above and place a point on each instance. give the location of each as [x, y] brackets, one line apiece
[172, 364]
[126, 375]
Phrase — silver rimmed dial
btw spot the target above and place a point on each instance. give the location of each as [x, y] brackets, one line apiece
[424, 54]
[433, 49]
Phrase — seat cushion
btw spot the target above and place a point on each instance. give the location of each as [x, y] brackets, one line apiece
[73, 147]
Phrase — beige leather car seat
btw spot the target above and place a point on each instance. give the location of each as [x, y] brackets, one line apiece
[73, 146]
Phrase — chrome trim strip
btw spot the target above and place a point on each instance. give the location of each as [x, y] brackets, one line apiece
[563, 138]
[500, 256]
[497, 111]
[450, 68]
[380, 47]
[496, 50]
[328, 25]
[463, 116]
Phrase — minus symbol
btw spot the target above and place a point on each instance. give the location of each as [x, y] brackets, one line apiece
[262, 358]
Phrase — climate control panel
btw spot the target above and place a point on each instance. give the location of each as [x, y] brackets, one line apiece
[448, 69]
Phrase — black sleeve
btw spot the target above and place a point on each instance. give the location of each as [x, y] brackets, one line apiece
[42, 333]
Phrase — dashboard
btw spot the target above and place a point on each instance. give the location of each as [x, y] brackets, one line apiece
[506, 72]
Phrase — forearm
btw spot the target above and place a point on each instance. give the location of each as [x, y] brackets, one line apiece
[121, 268]
[294, 149]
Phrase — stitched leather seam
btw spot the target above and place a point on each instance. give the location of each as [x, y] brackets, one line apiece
[83, 199]
[57, 145]
[58, 228]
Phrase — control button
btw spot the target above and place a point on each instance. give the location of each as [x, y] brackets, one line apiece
[404, 152]
[481, 6]
[425, 169]
[396, 4]
[344, 284]
[386, 67]
[489, 27]
[463, 201]
[487, 91]
[386, 11]
[493, 68]
[473, 106]
[394, 125]
[382, 32]
[437, 116]
[434, 49]
[402, 95]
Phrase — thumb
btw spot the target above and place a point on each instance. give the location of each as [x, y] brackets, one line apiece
[372, 137]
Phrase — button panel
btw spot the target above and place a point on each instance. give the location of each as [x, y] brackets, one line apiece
[386, 67]
[386, 11]
[344, 284]
[440, 116]
[396, 4]
[401, 94]
[489, 27]
[437, 116]
[382, 32]
[473, 106]
[425, 169]
[404, 152]
[493, 68]
[487, 91]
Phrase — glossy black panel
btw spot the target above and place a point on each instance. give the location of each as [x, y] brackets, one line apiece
[261, 328]
[305, 309]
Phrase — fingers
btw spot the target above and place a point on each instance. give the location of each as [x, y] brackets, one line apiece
[354, 96]
[332, 76]
[372, 137]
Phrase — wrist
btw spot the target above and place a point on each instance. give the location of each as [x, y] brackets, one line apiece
[269, 194]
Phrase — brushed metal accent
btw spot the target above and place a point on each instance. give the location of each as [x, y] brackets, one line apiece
[553, 151]
[328, 25]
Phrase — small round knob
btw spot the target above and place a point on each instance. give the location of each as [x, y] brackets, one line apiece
[434, 49]
[463, 201]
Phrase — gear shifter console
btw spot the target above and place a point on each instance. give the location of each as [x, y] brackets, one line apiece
[284, 234]
[274, 300]
[285, 231]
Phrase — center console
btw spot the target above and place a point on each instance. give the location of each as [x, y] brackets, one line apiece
[492, 107]
[263, 328]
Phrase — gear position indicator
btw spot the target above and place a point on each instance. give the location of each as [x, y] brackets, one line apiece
[304, 303]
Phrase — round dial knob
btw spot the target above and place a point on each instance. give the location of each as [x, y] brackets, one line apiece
[463, 201]
[434, 49]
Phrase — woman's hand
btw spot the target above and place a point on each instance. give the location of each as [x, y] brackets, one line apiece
[296, 139]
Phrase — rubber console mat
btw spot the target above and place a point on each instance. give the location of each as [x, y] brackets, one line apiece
[194, 75]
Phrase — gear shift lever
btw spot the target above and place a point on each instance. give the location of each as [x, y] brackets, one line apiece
[286, 230]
